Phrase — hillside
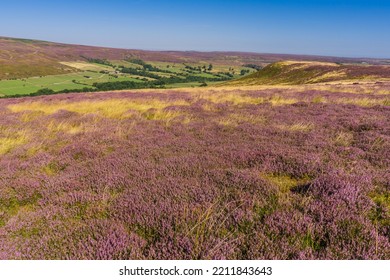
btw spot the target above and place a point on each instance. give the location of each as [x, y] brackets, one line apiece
[21, 58]
[298, 72]
[204, 173]
[196, 173]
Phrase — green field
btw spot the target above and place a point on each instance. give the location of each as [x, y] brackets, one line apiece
[58, 82]
[92, 72]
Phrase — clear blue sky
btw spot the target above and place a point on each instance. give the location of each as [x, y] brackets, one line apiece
[340, 28]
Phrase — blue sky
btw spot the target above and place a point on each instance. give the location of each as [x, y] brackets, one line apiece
[340, 28]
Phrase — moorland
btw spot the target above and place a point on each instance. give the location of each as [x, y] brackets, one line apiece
[289, 160]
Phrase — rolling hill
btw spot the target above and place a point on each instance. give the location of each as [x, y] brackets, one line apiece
[305, 72]
[21, 58]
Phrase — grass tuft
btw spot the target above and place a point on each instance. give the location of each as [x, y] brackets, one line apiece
[10, 142]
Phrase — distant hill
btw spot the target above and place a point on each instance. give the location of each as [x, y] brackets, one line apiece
[21, 58]
[304, 72]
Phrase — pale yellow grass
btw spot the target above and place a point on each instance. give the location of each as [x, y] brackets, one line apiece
[10, 141]
[236, 119]
[304, 63]
[165, 116]
[346, 86]
[65, 127]
[84, 66]
[30, 115]
[296, 127]
[285, 183]
[238, 98]
[333, 74]
[278, 100]
[319, 99]
[343, 139]
[231, 97]
[383, 92]
[363, 102]
[112, 108]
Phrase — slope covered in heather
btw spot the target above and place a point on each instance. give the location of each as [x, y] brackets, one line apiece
[297, 172]
[303, 72]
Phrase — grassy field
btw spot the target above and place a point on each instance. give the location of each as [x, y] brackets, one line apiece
[58, 82]
[90, 73]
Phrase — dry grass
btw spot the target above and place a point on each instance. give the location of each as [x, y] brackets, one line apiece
[84, 66]
[112, 108]
[303, 63]
[236, 119]
[238, 98]
[364, 102]
[383, 92]
[328, 76]
[284, 182]
[344, 139]
[12, 140]
[31, 115]
[65, 127]
[296, 127]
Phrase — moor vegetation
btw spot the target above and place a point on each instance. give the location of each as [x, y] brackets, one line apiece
[299, 172]
[298, 72]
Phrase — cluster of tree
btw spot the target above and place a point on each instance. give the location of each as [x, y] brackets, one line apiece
[226, 75]
[98, 61]
[47, 91]
[190, 67]
[138, 72]
[136, 61]
[118, 85]
[44, 91]
[146, 66]
[158, 83]
[253, 66]
[203, 68]
[150, 67]
[84, 89]
[190, 78]
[78, 82]
[244, 71]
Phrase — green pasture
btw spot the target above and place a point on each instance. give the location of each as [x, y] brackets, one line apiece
[58, 82]
[91, 73]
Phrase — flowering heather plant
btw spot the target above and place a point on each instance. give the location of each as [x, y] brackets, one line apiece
[259, 173]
